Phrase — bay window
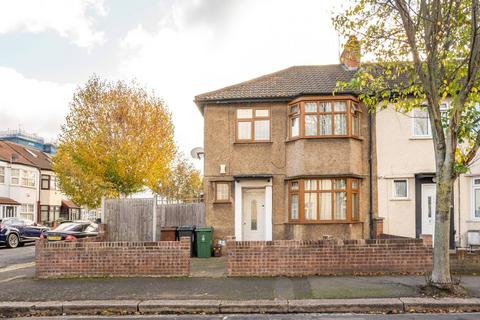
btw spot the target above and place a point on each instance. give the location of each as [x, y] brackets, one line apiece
[324, 118]
[2, 174]
[324, 200]
[253, 125]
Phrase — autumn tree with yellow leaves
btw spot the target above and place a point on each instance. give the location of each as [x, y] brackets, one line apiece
[117, 140]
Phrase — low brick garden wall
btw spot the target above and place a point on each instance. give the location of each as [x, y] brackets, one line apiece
[466, 262]
[90, 257]
[327, 257]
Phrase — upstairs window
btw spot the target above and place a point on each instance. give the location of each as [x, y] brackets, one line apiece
[2, 174]
[324, 118]
[421, 123]
[15, 177]
[253, 125]
[45, 182]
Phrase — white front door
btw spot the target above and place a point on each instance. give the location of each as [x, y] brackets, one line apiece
[253, 216]
[429, 192]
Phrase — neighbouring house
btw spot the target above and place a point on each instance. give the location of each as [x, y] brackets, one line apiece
[285, 158]
[70, 210]
[406, 179]
[26, 178]
[8, 207]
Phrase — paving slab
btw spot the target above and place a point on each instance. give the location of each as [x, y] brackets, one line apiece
[93, 307]
[393, 305]
[254, 306]
[441, 304]
[179, 306]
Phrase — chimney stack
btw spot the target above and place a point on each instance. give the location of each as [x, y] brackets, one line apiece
[351, 55]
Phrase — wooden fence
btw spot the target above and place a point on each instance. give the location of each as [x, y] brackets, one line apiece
[132, 219]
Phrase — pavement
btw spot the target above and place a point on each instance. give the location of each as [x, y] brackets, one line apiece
[22, 294]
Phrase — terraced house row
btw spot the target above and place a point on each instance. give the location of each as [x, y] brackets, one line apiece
[28, 186]
[289, 156]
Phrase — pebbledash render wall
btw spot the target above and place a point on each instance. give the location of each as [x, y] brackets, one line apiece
[327, 257]
[283, 159]
[91, 257]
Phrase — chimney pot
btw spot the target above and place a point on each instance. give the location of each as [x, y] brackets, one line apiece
[351, 54]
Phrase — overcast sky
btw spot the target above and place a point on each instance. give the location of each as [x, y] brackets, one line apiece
[176, 48]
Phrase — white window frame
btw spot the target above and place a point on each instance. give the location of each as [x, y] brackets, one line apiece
[444, 107]
[394, 195]
[15, 177]
[474, 187]
[429, 126]
[3, 174]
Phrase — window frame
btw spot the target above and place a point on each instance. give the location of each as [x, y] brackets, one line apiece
[252, 124]
[474, 187]
[300, 192]
[18, 177]
[229, 187]
[3, 174]
[48, 179]
[394, 195]
[352, 111]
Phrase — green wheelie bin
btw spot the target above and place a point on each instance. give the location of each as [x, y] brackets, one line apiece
[203, 241]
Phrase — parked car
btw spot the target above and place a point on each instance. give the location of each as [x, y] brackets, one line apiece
[15, 232]
[69, 231]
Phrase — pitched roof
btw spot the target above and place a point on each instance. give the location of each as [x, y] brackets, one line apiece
[284, 84]
[20, 154]
[4, 200]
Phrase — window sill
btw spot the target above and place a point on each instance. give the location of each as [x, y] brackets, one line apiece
[420, 138]
[473, 221]
[323, 222]
[222, 202]
[324, 138]
[253, 142]
[400, 199]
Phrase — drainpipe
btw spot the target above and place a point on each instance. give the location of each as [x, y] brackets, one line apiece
[370, 176]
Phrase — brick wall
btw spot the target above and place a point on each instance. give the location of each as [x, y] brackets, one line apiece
[463, 261]
[327, 257]
[92, 258]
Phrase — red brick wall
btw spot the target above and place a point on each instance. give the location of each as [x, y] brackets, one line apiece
[327, 257]
[91, 258]
[463, 261]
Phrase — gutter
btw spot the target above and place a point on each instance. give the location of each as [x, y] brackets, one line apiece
[370, 176]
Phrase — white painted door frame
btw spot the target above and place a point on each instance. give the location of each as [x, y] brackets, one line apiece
[426, 207]
[239, 185]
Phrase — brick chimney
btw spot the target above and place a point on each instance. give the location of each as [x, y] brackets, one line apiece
[351, 54]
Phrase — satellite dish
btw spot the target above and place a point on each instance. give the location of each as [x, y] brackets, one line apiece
[197, 153]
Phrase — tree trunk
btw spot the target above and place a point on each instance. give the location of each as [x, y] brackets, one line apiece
[441, 256]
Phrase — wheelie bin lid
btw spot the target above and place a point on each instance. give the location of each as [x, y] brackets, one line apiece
[186, 228]
[204, 228]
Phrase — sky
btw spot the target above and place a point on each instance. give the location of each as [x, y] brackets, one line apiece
[175, 49]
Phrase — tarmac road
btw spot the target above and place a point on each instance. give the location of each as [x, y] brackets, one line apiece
[18, 255]
[463, 316]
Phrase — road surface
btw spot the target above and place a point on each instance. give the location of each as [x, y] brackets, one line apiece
[463, 316]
